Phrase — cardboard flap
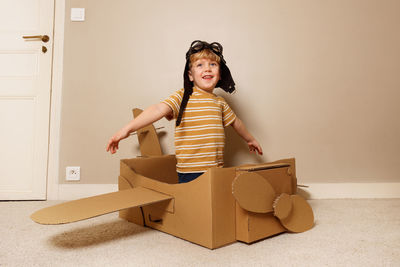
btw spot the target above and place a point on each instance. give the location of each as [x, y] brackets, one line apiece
[253, 192]
[86, 208]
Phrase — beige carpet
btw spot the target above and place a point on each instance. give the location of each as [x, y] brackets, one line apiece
[346, 233]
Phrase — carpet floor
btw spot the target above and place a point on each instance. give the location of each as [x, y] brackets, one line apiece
[346, 233]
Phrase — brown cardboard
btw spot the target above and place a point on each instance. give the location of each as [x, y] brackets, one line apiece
[148, 139]
[282, 206]
[301, 217]
[253, 192]
[86, 208]
[203, 211]
[229, 222]
[252, 226]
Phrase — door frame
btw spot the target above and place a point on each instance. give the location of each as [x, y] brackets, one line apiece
[56, 101]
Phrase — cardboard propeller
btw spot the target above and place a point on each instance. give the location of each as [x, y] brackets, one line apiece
[255, 194]
[294, 212]
[282, 206]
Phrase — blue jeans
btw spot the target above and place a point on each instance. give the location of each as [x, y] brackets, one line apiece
[187, 177]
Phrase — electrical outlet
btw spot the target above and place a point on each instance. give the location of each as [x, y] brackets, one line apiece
[73, 173]
[77, 14]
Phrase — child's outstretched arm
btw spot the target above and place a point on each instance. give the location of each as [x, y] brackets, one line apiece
[148, 116]
[239, 127]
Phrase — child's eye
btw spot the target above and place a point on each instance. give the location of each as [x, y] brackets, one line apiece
[199, 65]
[213, 64]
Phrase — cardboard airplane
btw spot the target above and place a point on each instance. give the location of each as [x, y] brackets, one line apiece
[245, 203]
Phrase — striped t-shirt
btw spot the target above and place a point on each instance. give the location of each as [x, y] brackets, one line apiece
[200, 138]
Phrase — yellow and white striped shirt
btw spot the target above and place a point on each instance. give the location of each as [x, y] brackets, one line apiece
[200, 138]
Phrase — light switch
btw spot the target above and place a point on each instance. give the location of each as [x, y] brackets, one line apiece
[77, 14]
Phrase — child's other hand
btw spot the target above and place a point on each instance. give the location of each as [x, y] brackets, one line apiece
[255, 147]
[112, 145]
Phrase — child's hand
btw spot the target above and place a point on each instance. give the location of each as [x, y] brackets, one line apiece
[112, 145]
[255, 147]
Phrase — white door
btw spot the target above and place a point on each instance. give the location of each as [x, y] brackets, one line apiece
[25, 82]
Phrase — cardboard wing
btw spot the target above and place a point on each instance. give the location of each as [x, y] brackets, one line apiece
[86, 208]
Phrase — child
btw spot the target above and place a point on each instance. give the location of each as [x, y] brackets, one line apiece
[200, 114]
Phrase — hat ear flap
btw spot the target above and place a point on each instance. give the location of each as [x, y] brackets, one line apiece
[226, 82]
[187, 84]
[188, 90]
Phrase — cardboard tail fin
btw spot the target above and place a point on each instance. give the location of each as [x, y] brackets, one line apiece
[86, 208]
[148, 138]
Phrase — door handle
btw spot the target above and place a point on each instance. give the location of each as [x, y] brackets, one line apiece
[43, 38]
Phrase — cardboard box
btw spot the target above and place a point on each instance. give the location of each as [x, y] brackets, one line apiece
[204, 211]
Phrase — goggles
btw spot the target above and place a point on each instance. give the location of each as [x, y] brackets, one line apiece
[198, 46]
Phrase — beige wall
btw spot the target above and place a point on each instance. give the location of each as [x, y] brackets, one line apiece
[316, 80]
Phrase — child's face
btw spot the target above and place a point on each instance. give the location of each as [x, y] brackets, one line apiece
[204, 74]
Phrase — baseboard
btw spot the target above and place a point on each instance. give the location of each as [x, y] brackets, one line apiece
[350, 190]
[313, 191]
[76, 191]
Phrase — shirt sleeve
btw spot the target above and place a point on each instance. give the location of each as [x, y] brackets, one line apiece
[174, 102]
[228, 116]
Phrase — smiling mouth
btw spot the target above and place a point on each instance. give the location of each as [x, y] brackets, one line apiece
[207, 77]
